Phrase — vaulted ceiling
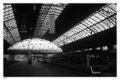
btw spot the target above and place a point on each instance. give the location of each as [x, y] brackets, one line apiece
[27, 16]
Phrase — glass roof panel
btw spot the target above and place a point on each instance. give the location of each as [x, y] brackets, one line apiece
[110, 23]
[68, 41]
[8, 37]
[80, 36]
[9, 40]
[92, 21]
[88, 31]
[99, 16]
[109, 9]
[54, 9]
[14, 32]
[85, 24]
[69, 33]
[99, 21]
[100, 27]
[113, 6]
[76, 29]
[95, 27]
[112, 20]
[95, 18]
[72, 38]
[83, 34]
[105, 25]
[102, 13]
[9, 21]
[81, 26]
[36, 44]
[88, 22]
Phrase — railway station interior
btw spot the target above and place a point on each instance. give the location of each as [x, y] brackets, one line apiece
[59, 40]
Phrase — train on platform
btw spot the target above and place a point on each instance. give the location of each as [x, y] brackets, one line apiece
[93, 62]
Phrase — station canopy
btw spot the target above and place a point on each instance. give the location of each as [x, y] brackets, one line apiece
[35, 45]
[101, 20]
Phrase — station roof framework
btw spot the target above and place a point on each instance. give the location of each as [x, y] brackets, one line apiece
[10, 31]
[43, 21]
[36, 44]
[103, 19]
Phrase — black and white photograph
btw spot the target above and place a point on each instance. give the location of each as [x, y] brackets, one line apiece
[59, 39]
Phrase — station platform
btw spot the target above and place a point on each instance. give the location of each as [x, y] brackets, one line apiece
[37, 69]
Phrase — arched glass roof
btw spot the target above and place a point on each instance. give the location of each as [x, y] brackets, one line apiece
[101, 20]
[36, 44]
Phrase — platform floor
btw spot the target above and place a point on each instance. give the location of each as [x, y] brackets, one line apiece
[22, 69]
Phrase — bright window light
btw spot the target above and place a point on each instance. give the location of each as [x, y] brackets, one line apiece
[105, 48]
[43, 22]
[10, 24]
[36, 44]
[103, 19]
[8, 37]
[98, 48]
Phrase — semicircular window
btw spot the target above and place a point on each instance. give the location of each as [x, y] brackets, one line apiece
[36, 45]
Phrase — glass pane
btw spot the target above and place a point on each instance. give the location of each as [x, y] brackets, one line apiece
[62, 37]
[102, 13]
[54, 9]
[83, 34]
[74, 37]
[8, 37]
[110, 23]
[6, 13]
[14, 32]
[88, 22]
[75, 30]
[9, 40]
[89, 31]
[6, 34]
[70, 33]
[60, 44]
[82, 26]
[11, 23]
[104, 25]
[113, 6]
[78, 36]
[78, 28]
[95, 27]
[68, 40]
[91, 20]
[71, 38]
[100, 27]
[99, 16]
[112, 20]
[94, 24]
[96, 19]
[109, 9]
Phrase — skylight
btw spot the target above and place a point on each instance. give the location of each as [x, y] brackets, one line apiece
[44, 22]
[36, 44]
[103, 19]
[10, 25]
